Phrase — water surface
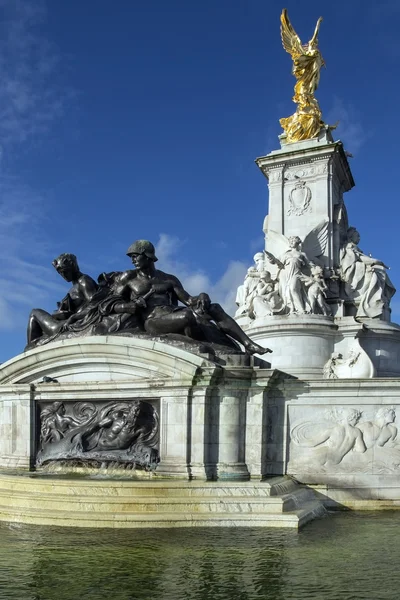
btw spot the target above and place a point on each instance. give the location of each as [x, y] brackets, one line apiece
[344, 556]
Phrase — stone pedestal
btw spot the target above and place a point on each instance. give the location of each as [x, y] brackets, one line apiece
[226, 422]
[339, 433]
[312, 291]
[306, 182]
[301, 344]
[200, 404]
[379, 339]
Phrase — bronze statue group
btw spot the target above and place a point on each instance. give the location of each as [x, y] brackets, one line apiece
[143, 300]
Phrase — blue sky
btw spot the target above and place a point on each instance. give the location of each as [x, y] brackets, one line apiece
[122, 119]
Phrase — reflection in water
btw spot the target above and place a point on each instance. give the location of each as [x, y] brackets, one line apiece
[344, 556]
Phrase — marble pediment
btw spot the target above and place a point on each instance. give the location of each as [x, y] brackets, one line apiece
[103, 359]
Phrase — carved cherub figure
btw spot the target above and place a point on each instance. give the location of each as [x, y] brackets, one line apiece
[266, 300]
[317, 289]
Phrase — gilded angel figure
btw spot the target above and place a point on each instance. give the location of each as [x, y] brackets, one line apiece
[306, 122]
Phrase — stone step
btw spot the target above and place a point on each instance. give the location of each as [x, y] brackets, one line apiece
[100, 487]
[294, 519]
[113, 503]
[146, 504]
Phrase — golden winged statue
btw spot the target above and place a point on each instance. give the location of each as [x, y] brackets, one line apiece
[306, 122]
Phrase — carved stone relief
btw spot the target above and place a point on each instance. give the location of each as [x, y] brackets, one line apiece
[306, 171]
[299, 199]
[123, 433]
[344, 440]
[295, 171]
[356, 365]
[274, 176]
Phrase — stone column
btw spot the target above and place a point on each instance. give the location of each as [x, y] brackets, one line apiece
[204, 424]
[174, 442]
[307, 181]
[232, 435]
[16, 428]
[255, 428]
[258, 421]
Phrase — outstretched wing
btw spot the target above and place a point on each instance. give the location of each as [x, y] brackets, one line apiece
[314, 38]
[315, 242]
[277, 243]
[290, 40]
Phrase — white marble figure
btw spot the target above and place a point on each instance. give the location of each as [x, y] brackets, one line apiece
[357, 364]
[290, 276]
[331, 439]
[326, 442]
[244, 294]
[338, 366]
[366, 281]
[316, 292]
[381, 430]
[295, 263]
[266, 300]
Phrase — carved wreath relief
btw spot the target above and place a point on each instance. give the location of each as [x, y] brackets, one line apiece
[118, 433]
[341, 440]
[299, 199]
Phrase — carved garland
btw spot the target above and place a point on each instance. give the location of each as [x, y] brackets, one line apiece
[320, 162]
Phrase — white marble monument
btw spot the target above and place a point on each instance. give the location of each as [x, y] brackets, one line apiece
[161, 404]
[315, 290]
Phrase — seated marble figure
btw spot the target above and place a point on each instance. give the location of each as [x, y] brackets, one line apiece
[365, 279]
[141, 300]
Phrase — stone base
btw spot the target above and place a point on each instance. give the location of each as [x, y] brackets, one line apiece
[379, 339]
[198, 404]
[129, 504]
[224, 423]
[340, 434]
[301, 344]
[358, 497]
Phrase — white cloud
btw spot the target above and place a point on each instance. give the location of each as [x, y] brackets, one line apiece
[30, 100]
[350, 129]
[257, 244]
[30, 97]
[195, 281]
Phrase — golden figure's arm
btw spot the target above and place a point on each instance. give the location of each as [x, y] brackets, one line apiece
[290, 40]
